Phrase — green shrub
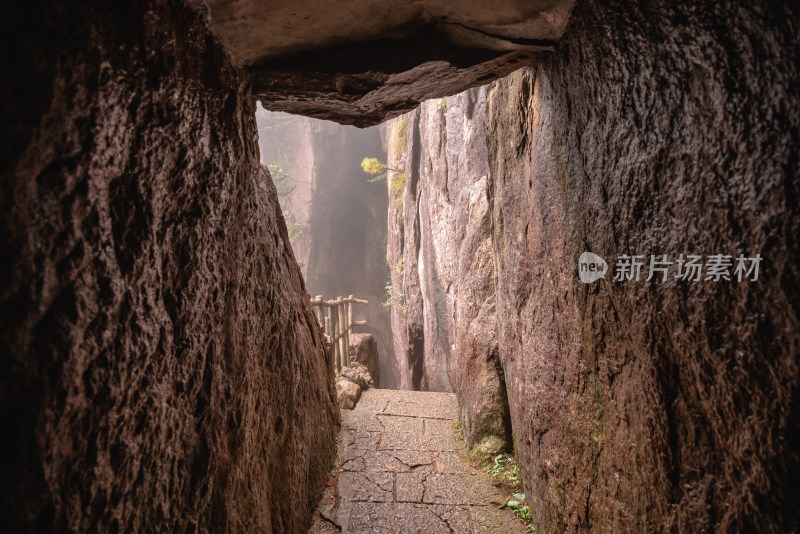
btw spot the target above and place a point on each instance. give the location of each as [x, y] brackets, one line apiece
[378, 169]
[398, 183]
[394, 299]
[372, 166]
[517, 505]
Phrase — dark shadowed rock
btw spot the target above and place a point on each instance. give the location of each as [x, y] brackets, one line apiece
[362, 61]
[161, 367]
[364, 350]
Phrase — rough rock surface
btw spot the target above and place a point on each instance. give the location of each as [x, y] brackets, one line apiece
[350, 382]
[406, 301]
[449, 247]
[364, 350]
[359, 374]
[347, 393]
[639, 406]
[161, 370]
[645, 405]
[362, 61]
[401, 468]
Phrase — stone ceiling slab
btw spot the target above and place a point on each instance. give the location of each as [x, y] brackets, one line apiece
[363, 61]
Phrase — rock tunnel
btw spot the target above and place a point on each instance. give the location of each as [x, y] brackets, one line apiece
[162, 367]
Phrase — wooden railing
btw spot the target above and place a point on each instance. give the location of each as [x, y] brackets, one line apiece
[336, 320]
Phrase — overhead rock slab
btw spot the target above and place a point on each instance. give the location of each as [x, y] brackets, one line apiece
[362, 61]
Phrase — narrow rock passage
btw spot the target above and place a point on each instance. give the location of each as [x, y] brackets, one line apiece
[401, 469]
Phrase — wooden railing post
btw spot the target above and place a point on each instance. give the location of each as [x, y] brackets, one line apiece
[329, 349]
[349, 326]
[335, 318]
[334, 341]
[342, 326]
[319, 311]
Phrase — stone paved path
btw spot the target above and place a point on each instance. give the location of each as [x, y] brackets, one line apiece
[400, 469]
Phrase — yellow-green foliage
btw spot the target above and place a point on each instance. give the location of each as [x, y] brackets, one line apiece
[398, 182]
[372, 166]
[394, 299]
[397, 185]
[400, 138]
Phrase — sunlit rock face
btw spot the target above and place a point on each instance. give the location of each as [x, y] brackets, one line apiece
[362, 61]
[637, 406]
[446, 333]
[161, 368]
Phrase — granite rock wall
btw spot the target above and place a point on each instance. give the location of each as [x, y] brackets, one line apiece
[161, 367]
[444, 263]
[653, 129]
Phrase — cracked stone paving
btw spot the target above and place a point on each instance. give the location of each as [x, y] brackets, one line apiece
[401, 468]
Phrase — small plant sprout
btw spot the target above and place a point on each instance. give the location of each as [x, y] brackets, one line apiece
[517, 505]
[504, 469]
[394, 299]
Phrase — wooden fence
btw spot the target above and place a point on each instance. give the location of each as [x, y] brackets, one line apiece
[336, 320]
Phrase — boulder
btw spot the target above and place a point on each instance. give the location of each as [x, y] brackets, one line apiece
[359, 374]
[364, 350]
[347, 393]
